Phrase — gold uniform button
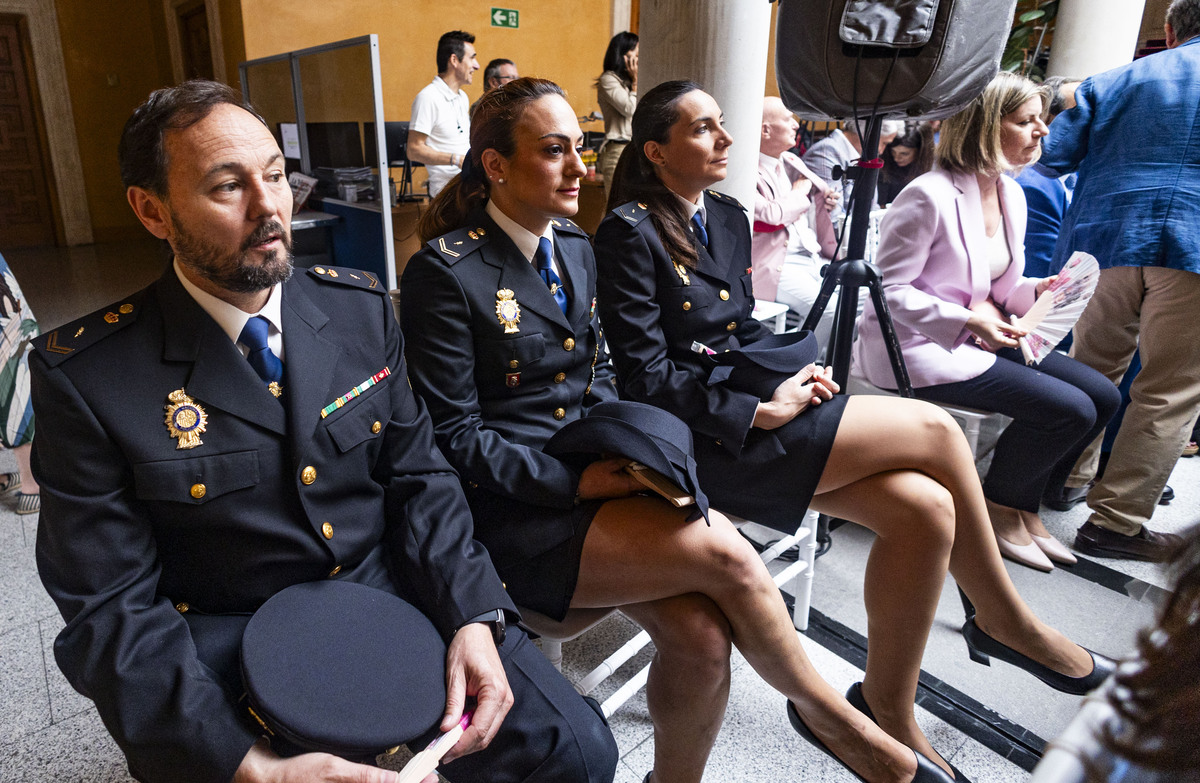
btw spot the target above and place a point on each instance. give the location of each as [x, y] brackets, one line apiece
[569, 344]
[376, 428]
[687, 306]
[514, 364]
[182, 607]
[724, 294]
[559, 414]
[308, 475]
[327, 530]
[730, 326]
[336, 570]
[562, 376]
[198, 491]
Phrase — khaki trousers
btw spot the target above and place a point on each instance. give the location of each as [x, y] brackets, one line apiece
[1155, 310]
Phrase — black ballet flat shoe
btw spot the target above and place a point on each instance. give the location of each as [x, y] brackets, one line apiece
[927, 771]
[980, 646]
[855, 696]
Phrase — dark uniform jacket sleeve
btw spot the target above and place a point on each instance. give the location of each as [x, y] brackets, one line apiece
[157, 556]
[497, 393]
[653, 311]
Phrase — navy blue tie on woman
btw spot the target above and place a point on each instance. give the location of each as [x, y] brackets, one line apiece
[502, 369]
[900, 467]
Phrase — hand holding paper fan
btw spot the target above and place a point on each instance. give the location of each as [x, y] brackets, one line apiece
[1058, 308]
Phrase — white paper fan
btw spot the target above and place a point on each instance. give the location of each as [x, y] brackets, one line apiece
[1059, 307]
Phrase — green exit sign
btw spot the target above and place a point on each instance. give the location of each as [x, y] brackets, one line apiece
[505, 17]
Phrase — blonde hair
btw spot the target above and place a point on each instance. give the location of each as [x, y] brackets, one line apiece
[970, 140]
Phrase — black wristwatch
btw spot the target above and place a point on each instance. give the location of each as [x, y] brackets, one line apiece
[494, 618]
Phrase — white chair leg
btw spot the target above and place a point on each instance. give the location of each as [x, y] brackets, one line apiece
[552, 649]
[802, 586]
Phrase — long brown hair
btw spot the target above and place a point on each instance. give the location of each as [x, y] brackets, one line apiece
[1159, 698]
[493, 126]
[636, 179]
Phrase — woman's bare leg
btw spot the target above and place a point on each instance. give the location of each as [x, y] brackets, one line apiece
[913, 518]
[883, 434]
[29, 485]
[640, 551]
[688, 686]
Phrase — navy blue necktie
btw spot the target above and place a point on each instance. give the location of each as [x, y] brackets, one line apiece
[698, 227]
[261, 358]
[542, 258]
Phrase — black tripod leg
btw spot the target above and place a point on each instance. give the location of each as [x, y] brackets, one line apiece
[874, 284]
[832, 279]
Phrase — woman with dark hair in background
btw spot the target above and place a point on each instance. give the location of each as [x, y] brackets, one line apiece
[674, 284]
[1142, 726]
[907, 157]
[952, 255]
[503, 365]
[616, 91]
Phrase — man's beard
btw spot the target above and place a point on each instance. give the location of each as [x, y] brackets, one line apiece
[236, 272]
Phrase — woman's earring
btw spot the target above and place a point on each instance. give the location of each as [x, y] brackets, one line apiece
[501, 181]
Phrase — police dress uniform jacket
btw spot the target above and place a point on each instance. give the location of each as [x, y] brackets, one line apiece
[498, 387]
[655, 311]
[157, 554]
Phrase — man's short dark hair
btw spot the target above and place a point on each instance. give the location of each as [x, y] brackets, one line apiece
[492, 71]
[453, 42]
[141, 152]
[1184, 16]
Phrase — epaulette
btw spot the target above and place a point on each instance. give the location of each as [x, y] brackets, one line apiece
[634, 212]
[355, 278]
[567, 226]
[58, 345]
[457, 244]
[724, 198]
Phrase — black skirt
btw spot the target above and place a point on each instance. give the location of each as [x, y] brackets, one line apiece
[773, 479]
[545, 580]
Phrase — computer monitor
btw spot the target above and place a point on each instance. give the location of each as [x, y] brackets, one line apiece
[334, 145]
[395, 135]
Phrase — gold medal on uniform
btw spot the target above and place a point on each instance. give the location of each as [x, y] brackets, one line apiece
[275, 389]
[185, 420]
[681, 270]
[508, 312]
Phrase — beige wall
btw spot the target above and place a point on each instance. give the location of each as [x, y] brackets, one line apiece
[556, 40]
[121, 40]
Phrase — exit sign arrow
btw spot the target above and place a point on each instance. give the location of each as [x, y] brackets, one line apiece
[505, 17]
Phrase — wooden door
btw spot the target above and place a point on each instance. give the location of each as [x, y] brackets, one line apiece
[26, 214]
[194, 40]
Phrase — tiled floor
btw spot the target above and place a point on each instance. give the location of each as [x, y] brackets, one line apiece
[50, 733]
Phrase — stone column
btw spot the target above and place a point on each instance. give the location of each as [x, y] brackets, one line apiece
[722, 44]
[1091, 36]
[622, 11]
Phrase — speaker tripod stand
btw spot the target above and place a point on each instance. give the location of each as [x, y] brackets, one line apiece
[847, 276]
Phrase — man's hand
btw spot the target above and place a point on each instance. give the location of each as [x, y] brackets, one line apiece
[606, 478]
[262, 765]
[792, 397]
[473, 669]
[832, 197]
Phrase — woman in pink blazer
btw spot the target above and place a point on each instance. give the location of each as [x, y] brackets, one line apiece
[952, 257]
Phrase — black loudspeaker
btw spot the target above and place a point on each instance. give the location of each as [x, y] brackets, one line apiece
[902, 59]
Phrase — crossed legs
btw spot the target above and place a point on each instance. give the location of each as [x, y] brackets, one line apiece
[903, 469]
[697, 590]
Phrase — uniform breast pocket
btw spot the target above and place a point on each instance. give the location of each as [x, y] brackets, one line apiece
[196, 480]
[748, 286]
[499, 357]
[363, 419]
[687, 302]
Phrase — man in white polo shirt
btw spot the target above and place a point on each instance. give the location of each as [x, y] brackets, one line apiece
[439, 133]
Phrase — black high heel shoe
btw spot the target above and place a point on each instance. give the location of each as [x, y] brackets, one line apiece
[855, 696]
[980, 646]
[927, 771]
